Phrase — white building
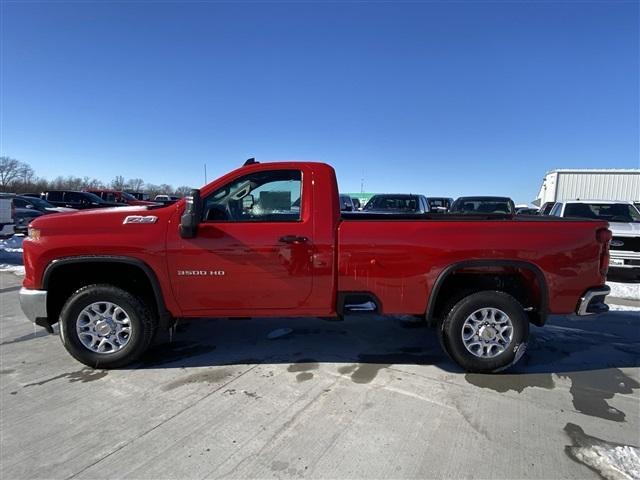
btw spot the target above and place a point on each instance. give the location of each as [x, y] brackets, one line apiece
[600, 184]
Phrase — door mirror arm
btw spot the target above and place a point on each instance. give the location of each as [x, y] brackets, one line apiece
[192, 214]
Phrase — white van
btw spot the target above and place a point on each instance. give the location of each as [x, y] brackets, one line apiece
[6, 218]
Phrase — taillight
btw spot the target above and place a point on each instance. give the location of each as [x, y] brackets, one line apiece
[604, 236]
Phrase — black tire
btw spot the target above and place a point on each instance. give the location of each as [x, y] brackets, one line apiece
[142, 326]
[451, 328]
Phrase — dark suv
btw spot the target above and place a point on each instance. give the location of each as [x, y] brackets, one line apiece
[397, 203]
[483, 205]
[79, 200]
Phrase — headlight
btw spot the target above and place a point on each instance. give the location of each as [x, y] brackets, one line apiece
[33, 233]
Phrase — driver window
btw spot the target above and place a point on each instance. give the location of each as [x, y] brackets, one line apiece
[271, 196]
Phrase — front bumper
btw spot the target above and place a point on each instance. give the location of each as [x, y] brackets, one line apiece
[592, 301]
[34, 306]
[624, 259]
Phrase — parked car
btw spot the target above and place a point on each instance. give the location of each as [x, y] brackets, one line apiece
[140, 195]
[526, 211]
[34, 195]
[118, 196]
[483, 205]
[439, 204]
[6, 216]
[397, 203]
[38, 204]
[240, 247]
[76, 200]
[624, 222]
[546, 208]
[346, 203]
[22, 217]
[166, 199]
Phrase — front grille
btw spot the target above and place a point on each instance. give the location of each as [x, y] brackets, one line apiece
[630, 244]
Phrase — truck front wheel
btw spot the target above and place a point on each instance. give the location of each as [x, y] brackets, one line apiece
[485, 332]
[104, 326]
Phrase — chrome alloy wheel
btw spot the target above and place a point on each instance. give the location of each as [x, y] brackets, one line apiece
[103, 327]
[487, 332]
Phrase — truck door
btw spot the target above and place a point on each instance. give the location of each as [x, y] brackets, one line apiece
[253, 248]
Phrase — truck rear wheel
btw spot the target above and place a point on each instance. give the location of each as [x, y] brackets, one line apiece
[485, 332]
[104, 326]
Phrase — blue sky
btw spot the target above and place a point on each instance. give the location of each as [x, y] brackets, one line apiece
[440, 98]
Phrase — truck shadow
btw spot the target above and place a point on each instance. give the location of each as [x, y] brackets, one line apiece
[563, 345]
[584, 356]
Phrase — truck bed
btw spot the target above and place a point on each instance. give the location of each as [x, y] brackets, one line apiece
[400, 264]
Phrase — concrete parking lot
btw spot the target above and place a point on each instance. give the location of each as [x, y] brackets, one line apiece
[368, 397]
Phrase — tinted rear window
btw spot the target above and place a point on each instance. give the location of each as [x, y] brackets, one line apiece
[54, 196]
[611, 212]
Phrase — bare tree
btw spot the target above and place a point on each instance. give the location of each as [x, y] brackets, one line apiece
[118, 183]
[26, 175]
[152, 189]
[91, 183]
[166, 189]
[9, 171]
[183, 191]
[135, 184]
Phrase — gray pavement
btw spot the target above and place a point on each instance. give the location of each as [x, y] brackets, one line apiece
[368, 397]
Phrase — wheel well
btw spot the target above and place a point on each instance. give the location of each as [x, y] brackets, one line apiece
[63, 280]
[522, 283]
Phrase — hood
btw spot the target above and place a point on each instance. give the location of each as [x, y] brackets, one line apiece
[105, 220]
[625, 229]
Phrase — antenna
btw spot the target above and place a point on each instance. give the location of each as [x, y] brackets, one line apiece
[250, 161]
[205, 173]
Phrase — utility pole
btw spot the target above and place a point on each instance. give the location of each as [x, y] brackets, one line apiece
[362, 182]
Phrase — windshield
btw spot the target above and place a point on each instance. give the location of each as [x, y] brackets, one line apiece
[38, 202]
[482, 205]
[611, 212]
[127, 196]
[388, 202]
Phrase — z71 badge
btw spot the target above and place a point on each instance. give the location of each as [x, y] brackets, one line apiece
[201, 273]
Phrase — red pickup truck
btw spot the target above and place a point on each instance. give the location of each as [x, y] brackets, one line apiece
[269, 240]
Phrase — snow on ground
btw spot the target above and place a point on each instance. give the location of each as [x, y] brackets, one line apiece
[11, 255]
[615, 463]
[16, 269]
[622, 308]
[630, 291]
[612, 461]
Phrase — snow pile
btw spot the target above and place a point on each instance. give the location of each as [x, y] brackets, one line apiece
[16, 269]
[612, 461]
[622, 308]
[11, 255]
[12, 244]
[629, 291]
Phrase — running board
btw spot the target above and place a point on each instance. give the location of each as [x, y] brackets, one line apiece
[361, 307]
[357, 302]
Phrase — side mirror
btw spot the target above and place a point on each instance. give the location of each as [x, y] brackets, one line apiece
[191, 216]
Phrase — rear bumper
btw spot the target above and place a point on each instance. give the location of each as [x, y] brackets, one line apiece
[592, 301]
[34, 306]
